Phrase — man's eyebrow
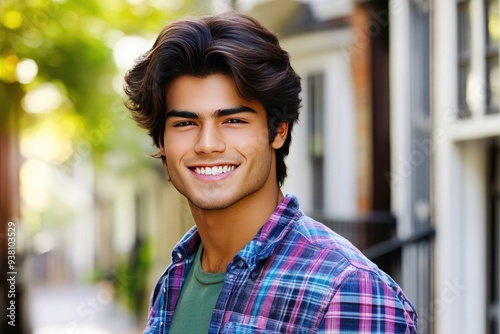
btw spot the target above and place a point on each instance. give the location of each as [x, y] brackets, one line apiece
[182, 114]
[217, 113]
[232, 111]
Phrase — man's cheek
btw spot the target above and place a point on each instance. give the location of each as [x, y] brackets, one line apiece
[254, 142]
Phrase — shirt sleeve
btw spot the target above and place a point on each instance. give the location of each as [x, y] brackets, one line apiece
[365, 303]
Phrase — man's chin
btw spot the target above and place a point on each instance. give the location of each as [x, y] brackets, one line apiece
[211, 205]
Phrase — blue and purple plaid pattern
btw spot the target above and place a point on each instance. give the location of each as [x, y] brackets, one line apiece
[295, 276]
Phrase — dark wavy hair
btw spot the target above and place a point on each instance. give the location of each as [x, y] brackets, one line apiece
[230, 43]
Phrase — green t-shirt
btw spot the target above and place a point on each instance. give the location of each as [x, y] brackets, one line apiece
[197, 299]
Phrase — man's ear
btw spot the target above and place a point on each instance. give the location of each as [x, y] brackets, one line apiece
[280, 137]
[162, 150]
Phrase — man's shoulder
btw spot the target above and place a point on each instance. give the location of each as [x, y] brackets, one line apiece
[331, 258]
[323, 243]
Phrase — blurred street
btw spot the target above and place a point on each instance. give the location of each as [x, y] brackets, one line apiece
[78, 309]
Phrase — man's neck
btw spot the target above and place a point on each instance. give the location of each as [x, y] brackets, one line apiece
[226, 232]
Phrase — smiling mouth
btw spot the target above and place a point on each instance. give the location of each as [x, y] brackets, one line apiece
[215, 170]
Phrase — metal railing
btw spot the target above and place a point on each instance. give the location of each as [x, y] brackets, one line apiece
[396, 244]
[363, 232]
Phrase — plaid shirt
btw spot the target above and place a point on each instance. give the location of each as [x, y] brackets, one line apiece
[295, 276]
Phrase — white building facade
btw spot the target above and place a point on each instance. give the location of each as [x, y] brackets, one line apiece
[461, 91]
[466, 137]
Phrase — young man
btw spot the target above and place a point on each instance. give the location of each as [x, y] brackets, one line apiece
[219, 99]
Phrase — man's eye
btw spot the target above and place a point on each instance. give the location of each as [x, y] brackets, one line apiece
[183, 124]
[235, 121]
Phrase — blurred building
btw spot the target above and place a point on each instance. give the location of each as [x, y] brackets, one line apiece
[360, 160]
[466, 130]
[401, 115]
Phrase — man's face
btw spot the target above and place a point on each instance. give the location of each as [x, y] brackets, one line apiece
[216, 143]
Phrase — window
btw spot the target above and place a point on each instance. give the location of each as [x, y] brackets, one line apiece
[464, 55]
[491, 77]
[492, 55]
[493, 243]
[315, 107]
[420, 114]
[418, 257]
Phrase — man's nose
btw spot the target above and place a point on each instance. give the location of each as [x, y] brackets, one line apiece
[210, 140]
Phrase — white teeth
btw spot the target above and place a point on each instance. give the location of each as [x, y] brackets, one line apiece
[215, 170]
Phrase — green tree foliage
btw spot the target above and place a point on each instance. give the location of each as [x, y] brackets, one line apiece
[60, 89]
[72, 43]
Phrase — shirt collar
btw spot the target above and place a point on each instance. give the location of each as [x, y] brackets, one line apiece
[272, 232]
[187, 246]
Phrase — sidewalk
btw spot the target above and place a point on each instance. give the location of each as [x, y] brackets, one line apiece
[78, 309]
